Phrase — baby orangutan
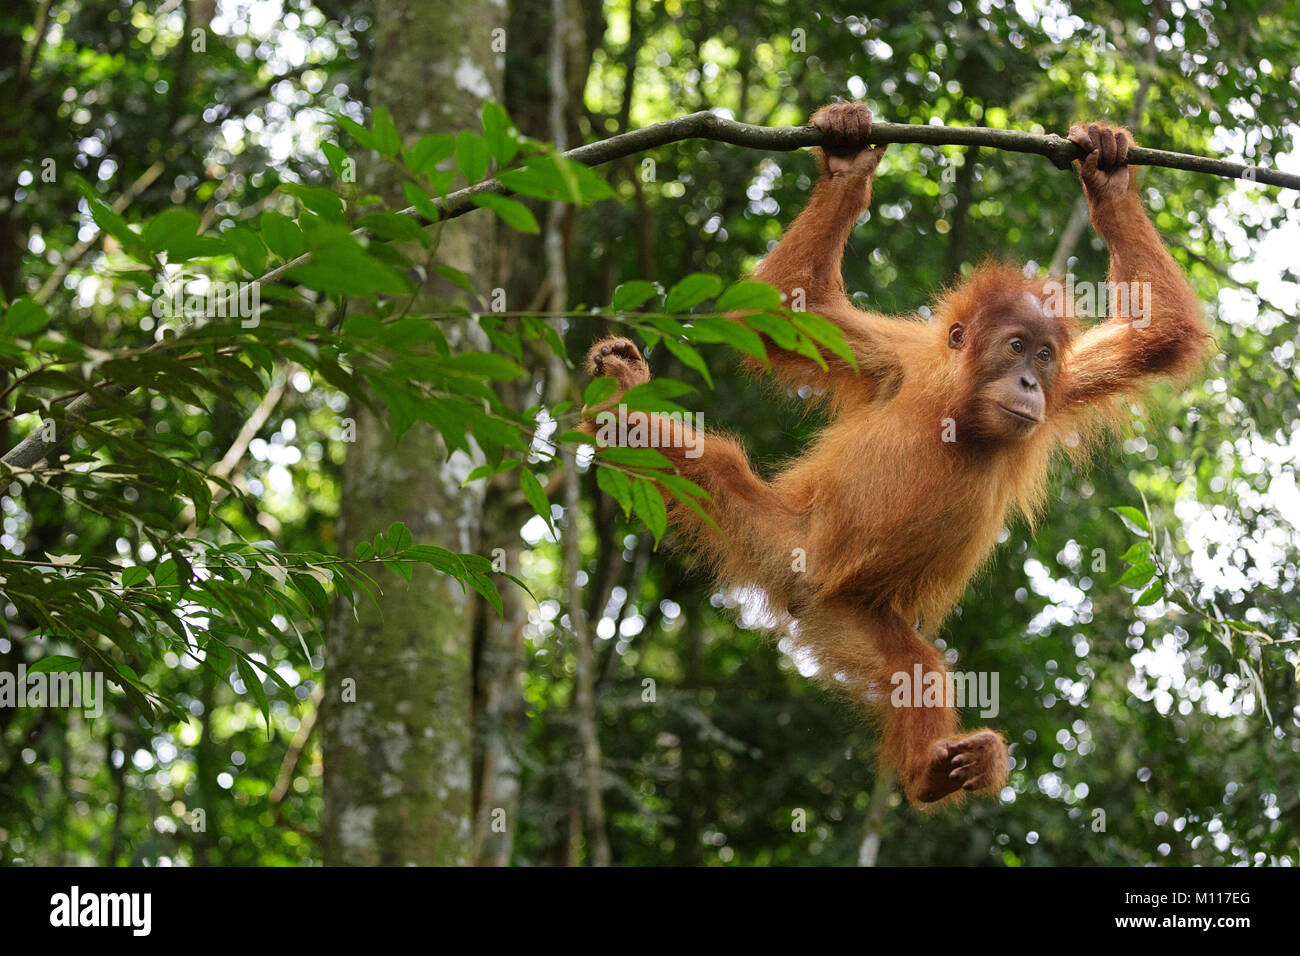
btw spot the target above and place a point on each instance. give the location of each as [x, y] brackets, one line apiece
[946, 427]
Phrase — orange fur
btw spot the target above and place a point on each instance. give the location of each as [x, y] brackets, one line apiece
[894, 521]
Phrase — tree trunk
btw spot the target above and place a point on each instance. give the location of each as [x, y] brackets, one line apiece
[398, 757]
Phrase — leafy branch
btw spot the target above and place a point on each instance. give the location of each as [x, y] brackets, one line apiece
[1154, 570]
[544, 175]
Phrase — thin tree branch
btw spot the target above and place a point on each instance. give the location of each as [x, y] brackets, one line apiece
[39, 29]
[869, 849]
[289, 765]
[235, 453]
[706, 125]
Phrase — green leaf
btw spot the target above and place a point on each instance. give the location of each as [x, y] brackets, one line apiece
[617, 485]
[682, 486]
[635, 457]
[347, 269]
[282, 235]
[538, 328]
[497, 368]
[55, 664]
[558, 179]
[358, 132]
[440, 182]
[1137, 552]
[1137, 576]
[656, 395]
[485, 587]
[591, 185]
[1152, 594]
[749, 295]
[776, 327]
[632, 295]
[200, 493]
[649, 506]
[171, 227]
[536, 496]
[712, 328]
[691, 291]
[689, 357]
[689, 494]
[310, 588]
[539, 179]
[390, 255]
[422, 203]
[217, 655]
[336, 155]
[399, 536]
[487, 471]
[805, 346]
[1133, 519]
[664, 325]
[439, 558]
[573, 438]
[599, 391]
[253, 684]
[326, 203]
[826, 332]
[387, 140]
[499, 133]
[507, 340]
[514, 213]
[428, 152]
[166, 575]
[471, 156]
[454, 275]
[134, 575]
[24, 317]
[392, 225]
[320, 231]
[116, 226]
[247, 248]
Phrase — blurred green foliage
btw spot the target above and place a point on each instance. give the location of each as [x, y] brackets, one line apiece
[1137, 736]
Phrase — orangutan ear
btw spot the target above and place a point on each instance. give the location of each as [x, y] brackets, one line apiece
[956, 336]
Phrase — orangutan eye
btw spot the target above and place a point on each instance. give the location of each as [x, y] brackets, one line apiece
[1017, 346]
[1044, 354]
